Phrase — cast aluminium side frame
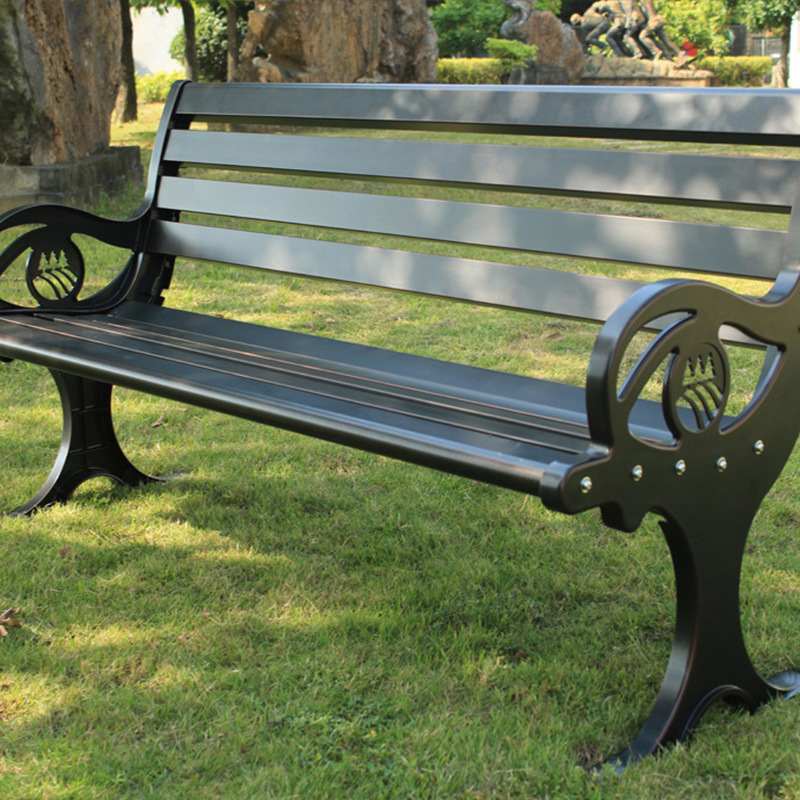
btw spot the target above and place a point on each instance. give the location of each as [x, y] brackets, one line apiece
[707, 481]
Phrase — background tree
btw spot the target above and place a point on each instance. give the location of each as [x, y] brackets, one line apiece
[187, 7]
[126, 108]
[212, 44]
[232, 38]
[703, 23]
[463, 26]
[774, 15]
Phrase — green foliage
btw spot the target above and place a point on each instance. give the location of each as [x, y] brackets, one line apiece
[470, 70]
[511, 53]
[212, 44]
[704, 23]
[761, 15]
[505, 56]
[154, 88]
[737, 70]
[463, 26]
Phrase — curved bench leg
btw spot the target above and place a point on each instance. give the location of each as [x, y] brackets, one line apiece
[89, 446]
[709, 659]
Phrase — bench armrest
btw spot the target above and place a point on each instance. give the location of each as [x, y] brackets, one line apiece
[54, 268]
[628, 473]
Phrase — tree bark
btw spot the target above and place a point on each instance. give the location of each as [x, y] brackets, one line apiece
[189, 41]
[233, 42]
[126, 109]
[780, 72]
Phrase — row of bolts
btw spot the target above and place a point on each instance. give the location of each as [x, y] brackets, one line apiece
[637, 473]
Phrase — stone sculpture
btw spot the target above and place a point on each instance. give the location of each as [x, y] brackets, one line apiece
[632, 29]
[339, 41]
[557, 47]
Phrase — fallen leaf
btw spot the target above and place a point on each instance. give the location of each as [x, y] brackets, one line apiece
[9, 619]
[555, 337]
[159, 422]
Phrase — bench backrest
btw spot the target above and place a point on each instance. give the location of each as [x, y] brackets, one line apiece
[361, 163]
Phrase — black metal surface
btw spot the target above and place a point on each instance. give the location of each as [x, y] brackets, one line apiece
[704, 470]
[89, 446]
[719, 115]
[756, 183]
[655, 242]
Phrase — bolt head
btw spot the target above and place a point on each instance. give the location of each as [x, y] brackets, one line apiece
[586, 485]
[680, 467]
[722, 464]
[637, 473]
[759, 447]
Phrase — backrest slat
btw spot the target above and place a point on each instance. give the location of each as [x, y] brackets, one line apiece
[422, 188]
[767, 183]
[504, 285]
[631, 112]
[662, 243]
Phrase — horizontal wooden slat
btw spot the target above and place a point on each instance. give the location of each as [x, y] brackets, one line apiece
[660, 243]
[768, 183]
[504, 285]
[732, 115]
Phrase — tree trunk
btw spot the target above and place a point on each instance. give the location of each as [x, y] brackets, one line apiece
[126, 109]
[233, 42]
[780, 72]
[189, 41]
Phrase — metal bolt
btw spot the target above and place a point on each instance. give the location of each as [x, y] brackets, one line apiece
[759, 447]
[637, 473]
[722, 464]
[586, 485]
[680, 467]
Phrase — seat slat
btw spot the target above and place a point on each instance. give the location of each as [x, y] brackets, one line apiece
[447, 440]
[271, 366]
[653, 242]
[762, 183]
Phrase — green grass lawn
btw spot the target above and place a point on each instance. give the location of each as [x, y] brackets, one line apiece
[285, 618]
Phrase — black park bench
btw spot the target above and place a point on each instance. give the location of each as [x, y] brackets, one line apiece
[367, 185]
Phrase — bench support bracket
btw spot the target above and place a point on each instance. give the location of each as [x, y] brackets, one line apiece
[89, 446]
[709, 659]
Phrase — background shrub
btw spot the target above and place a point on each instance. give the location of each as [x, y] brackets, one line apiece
[703, 23]
[154, 88]
[737, 70]
[469, 70]
[463, 26]
[511, 53]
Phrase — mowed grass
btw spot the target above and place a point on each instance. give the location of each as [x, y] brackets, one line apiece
[288, 618]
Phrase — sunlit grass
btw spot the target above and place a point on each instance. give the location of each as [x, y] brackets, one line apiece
[287, 618]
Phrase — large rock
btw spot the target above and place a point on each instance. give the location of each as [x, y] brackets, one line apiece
[557, 44]
[324, 41]
[59, 66]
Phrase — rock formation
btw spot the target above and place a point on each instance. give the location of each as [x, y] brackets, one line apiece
[557, 45]
[59, 63]
[325, 41]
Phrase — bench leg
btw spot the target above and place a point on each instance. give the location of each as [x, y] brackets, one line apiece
[709, 659]
[89, 446]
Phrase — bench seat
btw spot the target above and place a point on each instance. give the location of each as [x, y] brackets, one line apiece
[500, 428]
